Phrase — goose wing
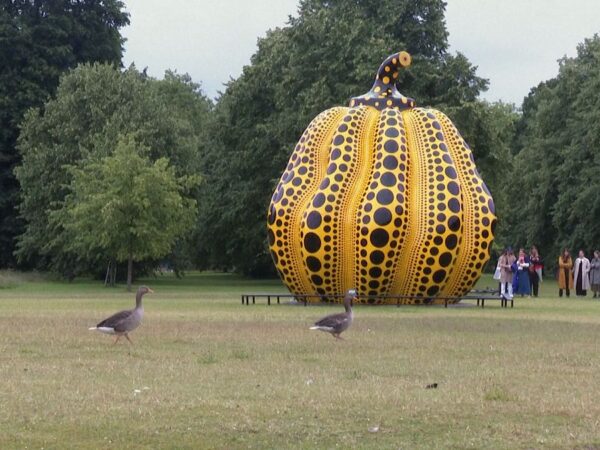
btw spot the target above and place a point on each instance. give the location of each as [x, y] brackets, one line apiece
[334, 321]
[116, 321]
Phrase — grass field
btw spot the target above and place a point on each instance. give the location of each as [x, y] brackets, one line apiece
[207, 372]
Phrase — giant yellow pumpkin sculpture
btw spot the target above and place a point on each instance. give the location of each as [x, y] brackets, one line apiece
[384, 197]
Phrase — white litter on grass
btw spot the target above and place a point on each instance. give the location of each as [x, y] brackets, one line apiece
[309, 381]
[374, 429]
[139, 391]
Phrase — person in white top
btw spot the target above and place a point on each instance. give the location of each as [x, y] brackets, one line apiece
[581, 271]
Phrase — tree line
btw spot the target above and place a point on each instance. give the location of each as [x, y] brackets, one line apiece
[103, 164]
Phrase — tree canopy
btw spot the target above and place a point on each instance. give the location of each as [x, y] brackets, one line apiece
[125, 207]
[94, 107]
[40, 40]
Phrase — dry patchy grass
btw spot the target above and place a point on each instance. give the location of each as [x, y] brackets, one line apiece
[207, 372]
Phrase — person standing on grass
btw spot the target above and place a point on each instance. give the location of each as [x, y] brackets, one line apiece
[535, 270]
[506, 277]
[521, 274]
[595, 273]
[581, 274]
[565, 276]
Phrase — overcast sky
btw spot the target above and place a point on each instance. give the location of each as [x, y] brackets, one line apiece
[514, 43]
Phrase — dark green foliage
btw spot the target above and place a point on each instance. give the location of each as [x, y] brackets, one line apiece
[555, 188]
[326, 55]
[39, 40]
[94, 108]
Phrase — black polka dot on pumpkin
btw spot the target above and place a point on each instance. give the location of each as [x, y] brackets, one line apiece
[379, 237]
[271, 237]
[313, 264]
[439, 275]
[454, 223]
[451, 241]
[445, 259]
[313, 220]
[433, 290]
[375, 272]
[385, 197]
[390, 162]
[271, 215]
[450, 172]
[392, 132]
[377, 257]
[454, 205]
[390, 146]
[317, 280]
[453, 188]
[383, 216]
[319, 200]
[388, 179]
[312, 242]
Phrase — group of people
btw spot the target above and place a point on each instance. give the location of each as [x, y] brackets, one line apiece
[522, 274]
[581, 275]
[519, 275]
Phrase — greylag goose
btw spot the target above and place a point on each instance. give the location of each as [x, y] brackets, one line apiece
[123, 322]
[338, 323]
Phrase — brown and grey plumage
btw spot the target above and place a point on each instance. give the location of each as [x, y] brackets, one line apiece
[124, 322]
[338, 323]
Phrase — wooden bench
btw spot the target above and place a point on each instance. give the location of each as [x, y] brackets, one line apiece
[479, 295]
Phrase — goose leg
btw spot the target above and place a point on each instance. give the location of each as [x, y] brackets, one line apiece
[127, 336]
[117, 339]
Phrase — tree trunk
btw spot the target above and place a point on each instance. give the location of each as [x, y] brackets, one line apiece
[129, 271]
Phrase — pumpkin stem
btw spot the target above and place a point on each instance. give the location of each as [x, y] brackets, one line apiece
[383, 93]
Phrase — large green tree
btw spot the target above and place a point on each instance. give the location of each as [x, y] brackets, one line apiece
[555, 189]
[39, 40]
[327, 54]
[125, 207]
[94, 106]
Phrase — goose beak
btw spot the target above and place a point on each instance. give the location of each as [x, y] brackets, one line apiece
[150, 291]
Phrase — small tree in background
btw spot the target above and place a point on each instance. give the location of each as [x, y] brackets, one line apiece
[126, 207]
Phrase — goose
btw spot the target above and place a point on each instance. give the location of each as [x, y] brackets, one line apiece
[338, 323]
[123, 322]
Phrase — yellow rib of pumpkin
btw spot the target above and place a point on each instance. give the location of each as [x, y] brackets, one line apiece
[479, 219]
[435, 208]
[382, 218]
[298, 183]
[322, 226]
[351, 206]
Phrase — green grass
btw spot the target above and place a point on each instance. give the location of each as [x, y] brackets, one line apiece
[207, 372]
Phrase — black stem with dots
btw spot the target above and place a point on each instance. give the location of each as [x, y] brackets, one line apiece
[384, 93]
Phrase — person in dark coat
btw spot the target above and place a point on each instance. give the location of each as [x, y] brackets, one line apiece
[535, 270]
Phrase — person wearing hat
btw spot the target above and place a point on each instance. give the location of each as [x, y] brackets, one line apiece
[506, 276]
